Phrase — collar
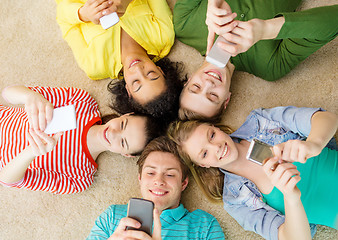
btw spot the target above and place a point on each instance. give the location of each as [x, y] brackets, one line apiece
[169, 216]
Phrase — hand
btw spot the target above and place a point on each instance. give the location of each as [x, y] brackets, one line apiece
[296, 150]
[122, 233]
[39, 111]
[283, 176]
[243, 36]
[219, 20]
[93, 10]
[40, 142]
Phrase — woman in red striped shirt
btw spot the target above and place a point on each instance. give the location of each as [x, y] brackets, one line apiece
[65, 162]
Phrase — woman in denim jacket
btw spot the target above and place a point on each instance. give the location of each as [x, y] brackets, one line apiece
[268, 200]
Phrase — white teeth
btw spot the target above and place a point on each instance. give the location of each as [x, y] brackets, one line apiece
[134, 63]
[225, 151]
[215, 75]
[159, 193]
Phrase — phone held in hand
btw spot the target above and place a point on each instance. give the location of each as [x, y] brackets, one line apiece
[109, 20]
[259, 151]
[142, 211]
[64, 119]
[218, 56]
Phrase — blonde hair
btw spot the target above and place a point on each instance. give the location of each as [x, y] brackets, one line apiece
[209, 180]
[185, 114]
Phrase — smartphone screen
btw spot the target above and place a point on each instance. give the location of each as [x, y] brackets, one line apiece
[142, 211]
[259, 151]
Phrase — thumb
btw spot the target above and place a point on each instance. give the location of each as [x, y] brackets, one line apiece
[211, 39]
[57, 136]
[157, 225]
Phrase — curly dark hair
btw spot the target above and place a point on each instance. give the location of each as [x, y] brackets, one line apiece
[164, 106]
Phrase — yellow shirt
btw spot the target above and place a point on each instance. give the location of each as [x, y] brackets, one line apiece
[98, 51]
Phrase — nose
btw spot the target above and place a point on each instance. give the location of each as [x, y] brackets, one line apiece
[158, 180]
[216, 148]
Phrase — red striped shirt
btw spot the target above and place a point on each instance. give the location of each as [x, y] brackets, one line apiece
[68, 168]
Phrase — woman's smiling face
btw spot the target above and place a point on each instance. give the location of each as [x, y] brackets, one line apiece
[144, 80]
[208, 146]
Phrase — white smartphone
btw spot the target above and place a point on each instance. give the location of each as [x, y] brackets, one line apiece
[64, 119]
[109, 20]
[142, 211]
[218, 56]
[259, 151]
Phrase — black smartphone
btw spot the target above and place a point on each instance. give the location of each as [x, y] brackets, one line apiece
[142, 211]
[259, 151]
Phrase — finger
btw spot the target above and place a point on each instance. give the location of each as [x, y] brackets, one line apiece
[268, 166]
[234, 38]
[97, 3]
[32, 143]
[302, 155]
[222, 20]
[49, 113]
[128, 222]
[212, 9]
[134, 234]
[42, 119]
[293, 182]
[229, 47]
[294, 152]
[280, 170]
[109, 10]
[103, 6]
[38, 142]
[33, 113]
[48, 140]
[286, 151]
[287, 175]
[277, 150]
[211, 39]
[157, 224]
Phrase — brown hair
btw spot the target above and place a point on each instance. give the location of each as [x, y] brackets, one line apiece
[210, 180]
[186, 114]
[162, 144]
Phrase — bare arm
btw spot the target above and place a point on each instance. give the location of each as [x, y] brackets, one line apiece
[323, 127]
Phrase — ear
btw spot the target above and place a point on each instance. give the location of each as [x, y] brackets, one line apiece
[127, 89]
[127, 155]
[185, 183]
[227, 100]
[139, 177]
[159, 68]
[187, 81]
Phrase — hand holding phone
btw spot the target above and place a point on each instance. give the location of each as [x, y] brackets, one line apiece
[64, 119]
[142, 211]
[109, 20]
[259, 151]
[218, 56]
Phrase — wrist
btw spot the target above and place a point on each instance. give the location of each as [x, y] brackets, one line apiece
[272, 27]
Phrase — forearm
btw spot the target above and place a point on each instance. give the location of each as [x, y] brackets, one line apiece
[272, 27]
[15, 170]
[16, 94]
[296, 225]
[323, 127]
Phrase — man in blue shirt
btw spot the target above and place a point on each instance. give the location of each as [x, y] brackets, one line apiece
[163, 177]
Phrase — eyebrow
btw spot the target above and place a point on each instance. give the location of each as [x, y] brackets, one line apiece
[167, 169]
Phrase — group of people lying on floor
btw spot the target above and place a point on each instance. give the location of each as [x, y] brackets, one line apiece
[173, 122]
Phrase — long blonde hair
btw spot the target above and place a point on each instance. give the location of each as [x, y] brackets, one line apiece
[210, 180]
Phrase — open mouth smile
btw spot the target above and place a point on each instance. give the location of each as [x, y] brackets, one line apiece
[158, 193]
[105, 135]
[214, 74]
[134, 62]
[225, 151]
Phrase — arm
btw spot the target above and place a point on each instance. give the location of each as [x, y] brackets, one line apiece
[285, 176]
[323, 127]
[40, 144]
[214, 230]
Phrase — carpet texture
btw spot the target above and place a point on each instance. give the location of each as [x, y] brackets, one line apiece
[34, 53]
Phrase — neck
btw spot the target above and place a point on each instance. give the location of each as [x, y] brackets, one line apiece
[129, 47]
[93, 143]
[241, 166]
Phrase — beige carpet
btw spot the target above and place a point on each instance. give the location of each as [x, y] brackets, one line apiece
[34, 53]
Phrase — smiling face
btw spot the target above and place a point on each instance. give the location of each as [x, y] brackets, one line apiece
[161, 180]
[124, 135]
[208, 146]
[207, 90]
[144, 80]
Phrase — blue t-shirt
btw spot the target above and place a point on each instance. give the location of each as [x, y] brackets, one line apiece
[176, 223]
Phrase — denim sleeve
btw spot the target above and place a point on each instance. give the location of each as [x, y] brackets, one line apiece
[298, 120]
[253, 214]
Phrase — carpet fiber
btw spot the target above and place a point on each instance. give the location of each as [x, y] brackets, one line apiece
[34, 53]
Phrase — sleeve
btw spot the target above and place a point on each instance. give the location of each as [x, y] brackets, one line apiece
[71, 28]
[214, 230]
[105, 224]
[316, 23]
[38, 179]
[189, 23]
[61, 96]
[253, 214]
[297, 120]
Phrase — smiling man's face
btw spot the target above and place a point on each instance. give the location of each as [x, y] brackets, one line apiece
[207, 90]
[161, 180]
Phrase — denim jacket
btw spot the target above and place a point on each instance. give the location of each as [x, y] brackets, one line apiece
[241, 197]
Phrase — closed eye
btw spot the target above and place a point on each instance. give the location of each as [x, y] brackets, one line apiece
[153, 75]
